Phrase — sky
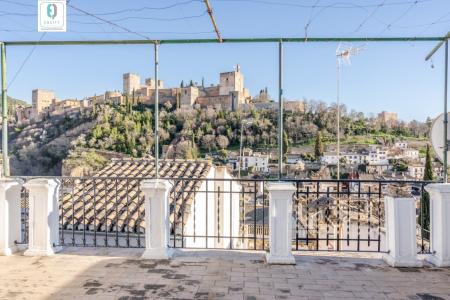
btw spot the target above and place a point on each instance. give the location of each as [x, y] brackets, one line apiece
[383, 76]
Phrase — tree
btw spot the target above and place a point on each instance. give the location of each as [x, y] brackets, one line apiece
[222, 142]
[424, 218]
[182, 84]
[318, 147]
[208, 142]
[285, 144]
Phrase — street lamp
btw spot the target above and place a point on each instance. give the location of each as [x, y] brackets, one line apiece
[244, 122]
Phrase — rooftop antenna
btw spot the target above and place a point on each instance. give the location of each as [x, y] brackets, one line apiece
[342, 56]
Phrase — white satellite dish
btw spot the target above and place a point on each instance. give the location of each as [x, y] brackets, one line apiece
[437, 136]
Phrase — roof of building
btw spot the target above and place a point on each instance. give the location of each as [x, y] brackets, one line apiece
[260, 214]
[112, 197]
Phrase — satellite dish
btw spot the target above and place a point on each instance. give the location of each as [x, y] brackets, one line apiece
[437, 136]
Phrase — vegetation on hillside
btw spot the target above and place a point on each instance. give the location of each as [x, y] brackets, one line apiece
[130, 129]
[39, 148]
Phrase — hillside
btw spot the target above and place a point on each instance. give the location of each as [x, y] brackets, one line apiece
[40, 148]
[13, 101]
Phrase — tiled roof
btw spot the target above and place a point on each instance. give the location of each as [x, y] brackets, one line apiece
[261, 214]
[112, 197]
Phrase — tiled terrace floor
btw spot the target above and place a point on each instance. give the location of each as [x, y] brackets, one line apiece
[120, 274]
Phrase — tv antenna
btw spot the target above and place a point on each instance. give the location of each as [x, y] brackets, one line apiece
[343, 55]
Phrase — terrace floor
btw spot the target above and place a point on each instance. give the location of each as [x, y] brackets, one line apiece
[94, 273]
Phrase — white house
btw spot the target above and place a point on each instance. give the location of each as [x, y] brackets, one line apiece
[411, 154]
[401, 145]
[329, 158]
[377, 156]
[256, 160]
[349, 158]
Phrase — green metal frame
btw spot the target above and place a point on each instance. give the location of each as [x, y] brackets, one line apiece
[155, 42]
[235, 40]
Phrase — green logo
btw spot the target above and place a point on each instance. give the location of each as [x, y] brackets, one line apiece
[51, 11]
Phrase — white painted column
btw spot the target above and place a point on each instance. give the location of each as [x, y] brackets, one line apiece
[157, 223]
[10, 215]
[280, 223]
[439, 224]
[400, 222]
[43, 217]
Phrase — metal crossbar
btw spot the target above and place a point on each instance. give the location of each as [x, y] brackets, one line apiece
[228, 40]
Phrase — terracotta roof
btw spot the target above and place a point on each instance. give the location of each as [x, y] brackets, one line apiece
[112, 198]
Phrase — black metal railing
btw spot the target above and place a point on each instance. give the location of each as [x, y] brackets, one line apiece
[24, 216]
[229, 213]
[102, 212]
[347, 215]
[219, 214]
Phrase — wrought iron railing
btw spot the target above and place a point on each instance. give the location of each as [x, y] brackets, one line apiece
[102, 212]
[328, 215]
[348, 215]
[24, 216]
[219, 213]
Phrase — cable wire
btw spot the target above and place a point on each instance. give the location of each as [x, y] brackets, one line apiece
[401, 16]
[22, 65]
[334, 5]
[108, 22]
[144, 18]
[144, 8]
[369, 16]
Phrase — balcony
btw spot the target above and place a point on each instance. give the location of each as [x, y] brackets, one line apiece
[338, 235]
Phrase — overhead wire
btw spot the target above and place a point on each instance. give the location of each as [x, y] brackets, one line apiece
[22, 65]
[334, 5]
[401, 16]
[369, 16]
[108, 22]
[17, 14]
[144, 8]
[310, 18]
[146, 18]
[97, 32]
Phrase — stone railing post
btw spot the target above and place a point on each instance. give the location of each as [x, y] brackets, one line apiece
[439, 224]
[157, 223]
[10, 215]
[400, 222]
[280, 223]
[43, 217]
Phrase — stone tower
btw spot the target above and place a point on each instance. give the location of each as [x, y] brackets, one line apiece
[131, 82]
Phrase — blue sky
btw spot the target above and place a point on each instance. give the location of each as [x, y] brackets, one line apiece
[384, 76]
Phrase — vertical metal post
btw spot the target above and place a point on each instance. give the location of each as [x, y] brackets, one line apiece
[156, 112]
[445, 113]
[240, 151]
[280, 109]
[338, 134]
[4, 113]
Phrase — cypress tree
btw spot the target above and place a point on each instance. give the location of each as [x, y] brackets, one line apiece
[318, 147]
[424, 218]
[285, 144]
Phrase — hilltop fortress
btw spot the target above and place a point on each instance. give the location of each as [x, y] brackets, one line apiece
[229, 94]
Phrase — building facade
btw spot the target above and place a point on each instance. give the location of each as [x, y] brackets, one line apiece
[41, 99]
